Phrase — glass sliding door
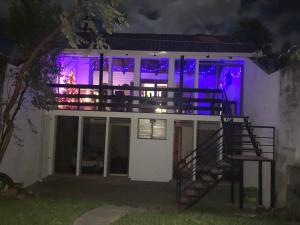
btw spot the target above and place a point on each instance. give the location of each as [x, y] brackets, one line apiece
[66, 145]
[154, 73]
[119, 146]
[93, 145]
[208, 79]
[226, 75]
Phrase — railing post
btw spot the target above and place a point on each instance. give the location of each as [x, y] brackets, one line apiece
[241, 188]
[273, 184]
[101, 68]
[137, 71]
[181, 83]
[232, 190]
[110, 77]
[196, 85]
[194, 155]
[78, 99]
[171, 83]
[260, 184]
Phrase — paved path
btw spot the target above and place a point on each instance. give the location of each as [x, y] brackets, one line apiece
[104, 215]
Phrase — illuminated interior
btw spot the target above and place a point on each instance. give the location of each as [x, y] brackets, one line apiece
[225, 75]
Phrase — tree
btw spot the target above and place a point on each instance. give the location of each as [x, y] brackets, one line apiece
[253, 31]
[37, 27]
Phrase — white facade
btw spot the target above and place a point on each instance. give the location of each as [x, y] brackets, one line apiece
[149, 160]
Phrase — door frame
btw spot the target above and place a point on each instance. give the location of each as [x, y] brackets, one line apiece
[108, 150]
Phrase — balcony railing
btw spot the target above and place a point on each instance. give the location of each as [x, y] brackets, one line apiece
[141, 99]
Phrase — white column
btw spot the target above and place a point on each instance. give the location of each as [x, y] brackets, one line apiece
[196, 83]
[106, 147]
[79, 145]
[195, 146]
[110, 77]
[51, 144]
[137, 72]
[171, 81]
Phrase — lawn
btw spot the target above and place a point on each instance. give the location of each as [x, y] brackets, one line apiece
[193, 217]
[42, 211]
[63, 211]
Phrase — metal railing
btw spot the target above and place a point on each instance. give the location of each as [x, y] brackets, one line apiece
[241, 140]
[138, 99]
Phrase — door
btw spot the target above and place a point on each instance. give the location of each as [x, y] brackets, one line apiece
[66, 145]
[119, 149]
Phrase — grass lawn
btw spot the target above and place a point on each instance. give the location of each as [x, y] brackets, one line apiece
[193, 217]
[42, 211]
[63, 211]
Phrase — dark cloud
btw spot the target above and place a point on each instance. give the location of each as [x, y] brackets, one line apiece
[282, 17]
[217, 17]
[213, 16]
[180, 16]
[150, 14]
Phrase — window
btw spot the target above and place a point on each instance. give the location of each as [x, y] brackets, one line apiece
[152, 129]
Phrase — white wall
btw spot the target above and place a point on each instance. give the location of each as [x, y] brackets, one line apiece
[261, 104]
[22, 158]
[151, 160]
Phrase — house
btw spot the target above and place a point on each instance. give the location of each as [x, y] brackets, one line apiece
[149, 109]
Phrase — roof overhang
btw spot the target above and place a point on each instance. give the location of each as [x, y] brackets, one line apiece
[160, 54]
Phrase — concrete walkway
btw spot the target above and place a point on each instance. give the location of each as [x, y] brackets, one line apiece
[104, 215]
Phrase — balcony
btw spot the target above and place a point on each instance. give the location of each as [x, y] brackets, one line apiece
[141, 99]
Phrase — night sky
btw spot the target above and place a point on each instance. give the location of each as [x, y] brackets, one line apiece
[216, 17]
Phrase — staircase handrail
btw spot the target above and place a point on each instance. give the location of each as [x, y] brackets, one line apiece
[202, 144]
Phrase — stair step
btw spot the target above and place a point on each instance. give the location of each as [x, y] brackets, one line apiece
[192, 192]
[223, 163]
[185, 200]
[245, 149]
[216, 171]
[207, 178]
[199, 185]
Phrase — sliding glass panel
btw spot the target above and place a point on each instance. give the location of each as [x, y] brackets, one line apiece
[66, 145]
[154, 73]
[207, 80]
[189, 70]
[119, 146]
[81, 70]
[188, 73]
[123, 74]
[93, 144]
[231, 81]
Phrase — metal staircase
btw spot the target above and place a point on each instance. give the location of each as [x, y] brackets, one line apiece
[234, 143]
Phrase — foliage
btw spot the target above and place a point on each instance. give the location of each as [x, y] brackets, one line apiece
[255, 32]
[31, 21]
[38, 28]
[5, 182]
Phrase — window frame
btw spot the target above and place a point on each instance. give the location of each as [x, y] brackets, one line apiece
[152, 130]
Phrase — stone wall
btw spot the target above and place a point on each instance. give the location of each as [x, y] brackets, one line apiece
[288, 142]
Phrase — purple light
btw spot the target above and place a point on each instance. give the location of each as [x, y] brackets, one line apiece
[203, 70]
[189, 66]
[155, 66]
[188, 72]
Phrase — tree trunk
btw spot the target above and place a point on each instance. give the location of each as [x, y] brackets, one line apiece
[14, 103]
